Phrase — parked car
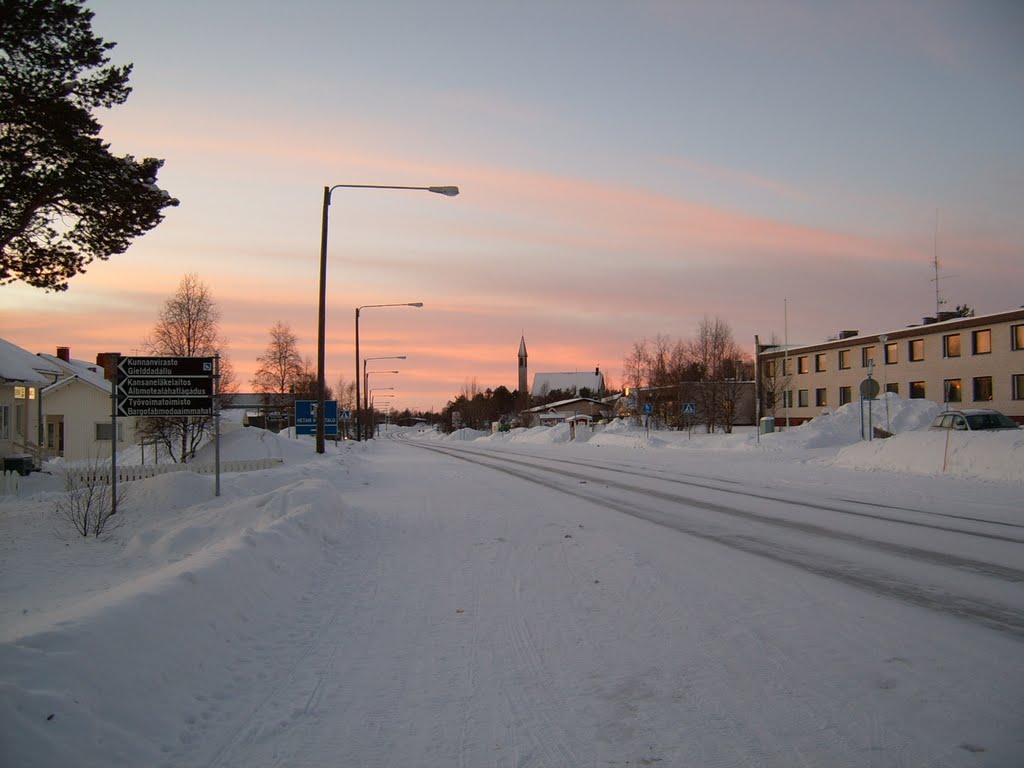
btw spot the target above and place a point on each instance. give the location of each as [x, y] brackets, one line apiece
[973, 420]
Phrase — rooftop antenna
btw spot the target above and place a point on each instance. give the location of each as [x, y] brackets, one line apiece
[939, 301]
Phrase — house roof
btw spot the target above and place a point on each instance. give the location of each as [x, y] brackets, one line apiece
[19, 366]
[562, 404]
[567, 382]
[90, 373]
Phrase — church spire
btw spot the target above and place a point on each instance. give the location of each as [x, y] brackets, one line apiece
[523, 391]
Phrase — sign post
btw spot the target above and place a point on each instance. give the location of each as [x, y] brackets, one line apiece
[305, 417]
[174, 387]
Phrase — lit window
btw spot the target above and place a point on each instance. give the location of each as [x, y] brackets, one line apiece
[820, 397]
[915, 348]
[801, 364]
[845, 395]
[1017, 337]
[891, 357]
[951, 345]
[867, 356]
[982, 342]
[844, 359]
[819, 362]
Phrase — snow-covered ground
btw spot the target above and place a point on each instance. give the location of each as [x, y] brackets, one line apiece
[383, 605]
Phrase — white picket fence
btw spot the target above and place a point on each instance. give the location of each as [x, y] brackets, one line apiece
[143, 471]
[9, 481]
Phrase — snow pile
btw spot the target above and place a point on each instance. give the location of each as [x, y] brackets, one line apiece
[837, 438]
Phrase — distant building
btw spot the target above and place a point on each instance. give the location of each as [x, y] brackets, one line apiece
[569, 383]
[963, 362]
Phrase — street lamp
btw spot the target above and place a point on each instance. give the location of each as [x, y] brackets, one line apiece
[367, 403]
[368, 359]
[416, 304]
[449, 191]
[372, 412]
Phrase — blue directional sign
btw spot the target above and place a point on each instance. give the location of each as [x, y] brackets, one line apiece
[305, 417]
[648, 408]
[689, 409]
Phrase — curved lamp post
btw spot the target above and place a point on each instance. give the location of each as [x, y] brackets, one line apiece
[450, 191]
[366, 386]
[416, 304]
[367, 400]
[373, 418]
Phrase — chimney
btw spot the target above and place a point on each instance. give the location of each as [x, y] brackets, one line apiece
[64, 353]
[108, 362]
[945, 315]
[927, 320]
[848, 334]
[597, 370]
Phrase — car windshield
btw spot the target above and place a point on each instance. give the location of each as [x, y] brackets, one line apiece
[990, 421]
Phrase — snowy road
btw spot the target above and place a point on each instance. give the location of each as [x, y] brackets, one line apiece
[486, 608]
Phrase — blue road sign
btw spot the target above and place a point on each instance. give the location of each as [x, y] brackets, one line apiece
[689, 409]
[648, 408]
[305, 417]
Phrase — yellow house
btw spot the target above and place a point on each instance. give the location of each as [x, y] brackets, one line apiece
[960, 362]
[76, 411]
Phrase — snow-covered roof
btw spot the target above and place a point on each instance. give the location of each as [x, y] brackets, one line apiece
[563, 403]
[20, 366]
[90, 373]
[567, 382]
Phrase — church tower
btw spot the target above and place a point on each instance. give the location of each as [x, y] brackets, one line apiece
[524, 392]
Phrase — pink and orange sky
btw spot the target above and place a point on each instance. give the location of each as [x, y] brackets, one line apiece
[626, 169]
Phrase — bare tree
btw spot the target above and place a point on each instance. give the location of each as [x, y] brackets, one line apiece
[712, 355]
[87, 501]
[280, 367]
[188, 326]
[774, 380]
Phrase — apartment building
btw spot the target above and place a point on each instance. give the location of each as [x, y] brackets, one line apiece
[965, 362]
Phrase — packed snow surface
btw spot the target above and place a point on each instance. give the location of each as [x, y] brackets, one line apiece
[542, 597]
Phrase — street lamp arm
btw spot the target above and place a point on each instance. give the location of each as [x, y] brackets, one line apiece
[447, 191]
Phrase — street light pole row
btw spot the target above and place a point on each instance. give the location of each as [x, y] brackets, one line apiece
[447, 191]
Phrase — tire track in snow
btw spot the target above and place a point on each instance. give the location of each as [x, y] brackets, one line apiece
[981, 611]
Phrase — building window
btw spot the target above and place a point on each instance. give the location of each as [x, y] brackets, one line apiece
[893, 387]
[104, 431]
[982, 389]
[1017, 337]
[844, 359]
[820, 397]
[801, 398]
[5, 422]
[867, 356]
[951, 345]
[845, 395]
[891, 358]
[787, 368]
[1017, 383]
[951, 388]
[917, 390]
[769, 369]
[819, 362]
[981, 342]
[801, 364]
[787, 398]
[915, 350]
